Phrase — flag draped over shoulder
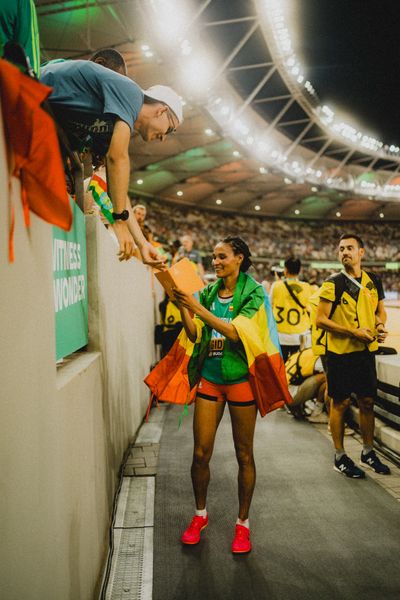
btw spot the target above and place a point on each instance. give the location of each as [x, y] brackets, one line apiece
[176, 376]
[32, 136]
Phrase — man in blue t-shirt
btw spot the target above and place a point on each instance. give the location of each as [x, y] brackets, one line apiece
[99, 110]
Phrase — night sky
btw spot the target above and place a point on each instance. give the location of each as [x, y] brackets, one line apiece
[351, 49]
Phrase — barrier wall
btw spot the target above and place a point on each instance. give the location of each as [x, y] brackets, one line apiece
[63, 433]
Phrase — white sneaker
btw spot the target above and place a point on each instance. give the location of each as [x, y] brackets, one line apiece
[320, 417]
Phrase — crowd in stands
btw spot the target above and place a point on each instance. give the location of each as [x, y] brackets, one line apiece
[272, 240]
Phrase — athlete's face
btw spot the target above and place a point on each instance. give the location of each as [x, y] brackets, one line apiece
[350, 253]
[225, 262]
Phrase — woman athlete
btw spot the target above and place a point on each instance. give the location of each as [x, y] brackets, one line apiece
[219, 386]
[228, 353]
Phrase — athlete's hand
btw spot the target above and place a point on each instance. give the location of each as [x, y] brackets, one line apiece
[363, 335]
[125, 239]
[151, 257]
[186, 300]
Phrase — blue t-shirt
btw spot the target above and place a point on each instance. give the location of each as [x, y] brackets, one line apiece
[88, 99]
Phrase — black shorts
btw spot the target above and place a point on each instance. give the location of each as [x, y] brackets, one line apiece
[351, 373]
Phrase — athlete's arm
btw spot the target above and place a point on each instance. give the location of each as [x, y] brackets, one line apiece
[189, 302]
[188, 324]
[324, 322]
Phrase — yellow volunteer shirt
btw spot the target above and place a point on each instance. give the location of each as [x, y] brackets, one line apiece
[356, 309]
[172, 316]
[289, 316]
[318, 336]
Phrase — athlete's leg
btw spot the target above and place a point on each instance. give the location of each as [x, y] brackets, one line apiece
[243, 424]
[336, 420]
[207, 416]
[367, 419]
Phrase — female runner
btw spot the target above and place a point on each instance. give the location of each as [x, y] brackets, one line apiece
[228, 353]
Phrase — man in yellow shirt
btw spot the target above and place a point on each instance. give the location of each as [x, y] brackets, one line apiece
[352, 312]
[289, 299]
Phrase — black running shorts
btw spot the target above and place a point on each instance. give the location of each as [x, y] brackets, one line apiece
[351, 373]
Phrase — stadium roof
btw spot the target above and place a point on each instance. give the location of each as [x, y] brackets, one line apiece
[256, 137]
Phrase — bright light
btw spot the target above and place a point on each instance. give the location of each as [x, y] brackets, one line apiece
[314, 189]
[148, 54]
[170, 20]
[338, 214]
[218, 201]
[257, 207]
[197, 73]
[287, 180]
[263, 170]
[236, 153]
[145, 47]
[179, 193]
[297, 212]
[381, 215]
[139, 181]
[208, 132]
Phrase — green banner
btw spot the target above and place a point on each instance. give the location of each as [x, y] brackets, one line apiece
[70, 285]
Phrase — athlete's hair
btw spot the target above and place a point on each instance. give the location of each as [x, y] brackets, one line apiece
[347, 236]
[111, 59]
[293, 265]
[239, 246]
[139, 206]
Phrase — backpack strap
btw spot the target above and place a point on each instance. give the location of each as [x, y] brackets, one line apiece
[340, 286]
[295, 298]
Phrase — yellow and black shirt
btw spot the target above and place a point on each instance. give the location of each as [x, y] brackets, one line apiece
[289, 316]
[356, 309]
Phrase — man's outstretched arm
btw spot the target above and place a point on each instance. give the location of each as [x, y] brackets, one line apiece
[118, 170]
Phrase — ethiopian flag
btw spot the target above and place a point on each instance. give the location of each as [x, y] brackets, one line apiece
[98, 187]
[258, 353]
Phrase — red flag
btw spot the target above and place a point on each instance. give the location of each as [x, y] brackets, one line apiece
[31, 133]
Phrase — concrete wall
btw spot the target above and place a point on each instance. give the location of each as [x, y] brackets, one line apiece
[63, 433]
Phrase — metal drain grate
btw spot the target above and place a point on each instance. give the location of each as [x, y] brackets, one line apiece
[131, 574]
[136, 503]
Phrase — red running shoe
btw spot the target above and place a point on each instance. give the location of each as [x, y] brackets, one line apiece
[241, 542]
[192, 533]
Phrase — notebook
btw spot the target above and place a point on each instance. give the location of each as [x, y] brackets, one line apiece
[181, 275]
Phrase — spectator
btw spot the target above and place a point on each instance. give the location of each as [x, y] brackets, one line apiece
[193, 255]
[18, 23]
[100, 110]
[289, 299]
[111, 59]
[140, 211]
[352, 312]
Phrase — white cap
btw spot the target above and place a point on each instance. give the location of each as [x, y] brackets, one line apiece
[167, 96]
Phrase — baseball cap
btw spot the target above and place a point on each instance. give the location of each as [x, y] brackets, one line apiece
[167, 96]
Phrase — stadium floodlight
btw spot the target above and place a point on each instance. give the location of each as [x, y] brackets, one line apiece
[381, 215]
[139, 181]
[277, 16]
[297, 212]
[179, 193]
[218, 201]
[257, 207]
[170, 19]
[338, 213]
[197, 73]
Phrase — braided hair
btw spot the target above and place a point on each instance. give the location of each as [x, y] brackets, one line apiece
[239, 246]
